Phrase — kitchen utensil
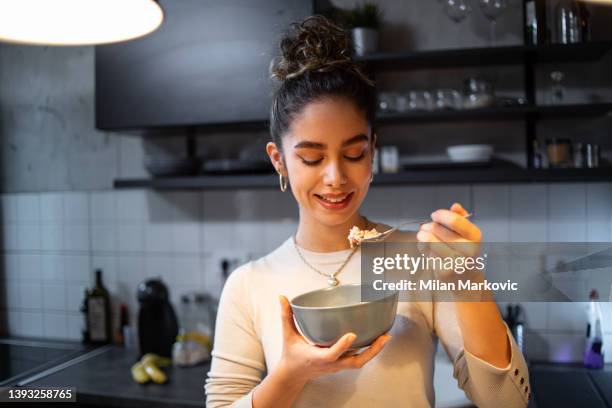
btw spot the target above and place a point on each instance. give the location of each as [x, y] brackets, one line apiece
[157, 324]
[470, 153]
[325, 315]
[383, 235]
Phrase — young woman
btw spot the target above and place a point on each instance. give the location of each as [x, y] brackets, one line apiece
[323, 145]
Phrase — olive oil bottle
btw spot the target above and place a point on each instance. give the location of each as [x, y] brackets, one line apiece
[98, 313]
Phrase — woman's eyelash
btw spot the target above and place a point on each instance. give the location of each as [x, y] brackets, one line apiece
[361, 156]
[311, 162]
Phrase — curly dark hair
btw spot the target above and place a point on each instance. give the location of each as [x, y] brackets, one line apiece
[316, 62]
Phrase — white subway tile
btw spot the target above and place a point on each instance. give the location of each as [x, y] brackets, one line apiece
[219, 206]
[14, 323]
[186, 238]
[159, 207]
[567, 230]
[10, 264]
[525, 230]
[212, 279]
[277, 232]
[187, 206]
[535, 315]
[75, 326]
[30, 267]
[53, 268]
[28, 208]
[51, 208]
[598, 230]
[187, 271]
[32, 324]
[103, 237]
[13, 295]
[494, 230]
[52, 237]
[567, 200]
[54, 297]
[528, 201]
[417, 201]
[9, 233]
[599, 200]
[568, 317]
[28, 237]
[76, 208]
[445, 196]
[102, 204]
[56, 325]
[491, 201]
[217, 236]
[132, 206]
[130, 238]
[382, 205]
[108, 265]
[77, 269]
[131, 269]
[75, 293]
[249, 236]
[31, 296]
[76, 237]
[160, 267]
[158, 237]
[9, 208]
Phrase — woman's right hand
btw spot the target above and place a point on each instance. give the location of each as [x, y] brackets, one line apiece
[303, 362]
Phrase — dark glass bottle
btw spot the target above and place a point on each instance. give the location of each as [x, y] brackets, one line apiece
[531, 22]
[98, 313]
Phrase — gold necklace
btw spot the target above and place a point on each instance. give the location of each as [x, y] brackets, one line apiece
[331, 278]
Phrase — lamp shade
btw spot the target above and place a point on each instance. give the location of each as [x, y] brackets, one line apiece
[77, 22]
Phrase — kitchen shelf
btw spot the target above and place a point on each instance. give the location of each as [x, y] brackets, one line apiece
[497, 113]
[471, 175]
[486, 56]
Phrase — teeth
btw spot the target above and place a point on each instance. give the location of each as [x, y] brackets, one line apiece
[334, 200]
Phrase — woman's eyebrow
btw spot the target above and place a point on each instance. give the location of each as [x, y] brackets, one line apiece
[315, 145]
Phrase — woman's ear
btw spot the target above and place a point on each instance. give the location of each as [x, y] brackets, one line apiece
[276, 157]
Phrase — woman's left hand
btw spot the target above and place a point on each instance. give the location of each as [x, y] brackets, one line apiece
[453, 234]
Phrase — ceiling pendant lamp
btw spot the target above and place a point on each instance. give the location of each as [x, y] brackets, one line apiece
[77, 22]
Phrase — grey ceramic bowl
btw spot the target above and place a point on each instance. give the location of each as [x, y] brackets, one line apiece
[325, 315]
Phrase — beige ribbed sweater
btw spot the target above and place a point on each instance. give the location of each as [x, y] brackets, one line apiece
[248, 341]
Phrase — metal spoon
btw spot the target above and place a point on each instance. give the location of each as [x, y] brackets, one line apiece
[383, 235]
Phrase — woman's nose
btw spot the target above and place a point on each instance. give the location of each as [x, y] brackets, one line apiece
[334, 175]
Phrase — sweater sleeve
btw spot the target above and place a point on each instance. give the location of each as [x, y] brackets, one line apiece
[484, 384]
[237, 358]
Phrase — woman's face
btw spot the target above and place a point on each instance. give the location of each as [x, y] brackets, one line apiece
[327, 156]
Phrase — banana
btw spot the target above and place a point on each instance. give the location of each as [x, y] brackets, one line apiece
[156, 360]
[139, 374]
[157, 375]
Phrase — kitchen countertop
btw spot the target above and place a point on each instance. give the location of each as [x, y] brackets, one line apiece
[105, 380]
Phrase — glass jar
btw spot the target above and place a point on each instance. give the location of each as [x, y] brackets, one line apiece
[558, 152]
[567, 14]
[478, 94]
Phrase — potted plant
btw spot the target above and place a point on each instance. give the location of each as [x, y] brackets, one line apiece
[364, 21]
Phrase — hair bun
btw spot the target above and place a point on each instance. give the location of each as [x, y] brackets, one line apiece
[315, 45]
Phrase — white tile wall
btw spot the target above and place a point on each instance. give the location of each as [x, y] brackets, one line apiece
[52, 242]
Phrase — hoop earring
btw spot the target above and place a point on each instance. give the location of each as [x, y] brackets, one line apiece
[283, 182]
[371, 176]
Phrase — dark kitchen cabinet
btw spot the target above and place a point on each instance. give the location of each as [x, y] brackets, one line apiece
[207, 65]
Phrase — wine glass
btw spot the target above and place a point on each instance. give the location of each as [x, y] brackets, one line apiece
[456, 10]
[492, 9]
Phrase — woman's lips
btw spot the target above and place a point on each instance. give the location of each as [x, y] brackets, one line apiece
[335, 205]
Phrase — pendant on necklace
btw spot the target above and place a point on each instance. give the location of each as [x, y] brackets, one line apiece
[332, 281]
